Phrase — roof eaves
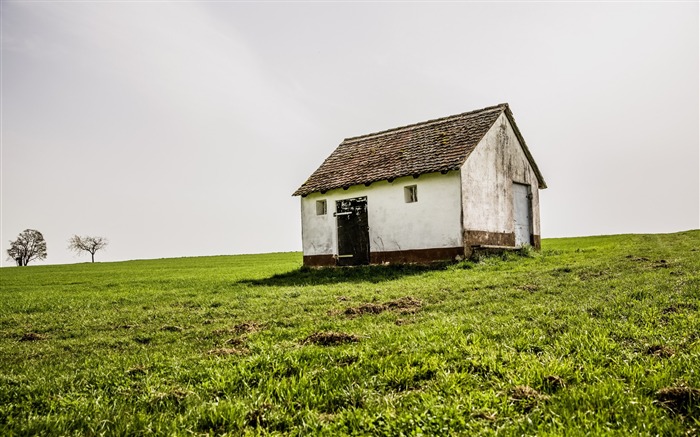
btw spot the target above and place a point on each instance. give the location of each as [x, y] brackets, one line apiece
[304, 191]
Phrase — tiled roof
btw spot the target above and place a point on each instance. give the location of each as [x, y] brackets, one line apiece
[431, 146]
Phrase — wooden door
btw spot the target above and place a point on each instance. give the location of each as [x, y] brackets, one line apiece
[522, 214]
[353, 231]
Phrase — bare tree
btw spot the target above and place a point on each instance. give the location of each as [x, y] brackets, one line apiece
[28, 246]
[87, 244]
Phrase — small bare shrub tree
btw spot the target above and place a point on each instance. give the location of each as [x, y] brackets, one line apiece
[28, 246]
[87, 244]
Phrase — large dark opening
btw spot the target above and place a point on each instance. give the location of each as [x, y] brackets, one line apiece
[353, 231]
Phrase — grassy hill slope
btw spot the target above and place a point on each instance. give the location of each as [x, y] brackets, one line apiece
[595, 335]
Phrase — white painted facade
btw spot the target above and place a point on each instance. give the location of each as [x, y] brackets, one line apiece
[487, 180]
[432, 222]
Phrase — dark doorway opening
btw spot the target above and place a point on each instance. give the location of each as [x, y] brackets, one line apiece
[353, 231]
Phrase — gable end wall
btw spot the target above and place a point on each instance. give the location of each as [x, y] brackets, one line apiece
[487, 177]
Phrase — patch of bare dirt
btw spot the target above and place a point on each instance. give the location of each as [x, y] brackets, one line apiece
[326, 417]
[680, 399]
[404, 305]
[553, 383]
[660, 350]
[235, 341]
[172, 328]
[594, 312]
[136, 370]
[234, 345]
[226, 351]
[670, 310]
[526, 397]
[258, 417]
[592, 274]
[485, 415]
[125, 326]
[529, 287]
[347, 360]
[676, 308]
[658, 264]
[143, 340]
[367, 308]
[661, 264]
[241, 328]
[330, 338]
[520, 392]
[32, 336]
[220, 332]
[244, 327]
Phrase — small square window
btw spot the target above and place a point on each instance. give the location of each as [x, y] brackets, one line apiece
[410, 193]
[321, 207]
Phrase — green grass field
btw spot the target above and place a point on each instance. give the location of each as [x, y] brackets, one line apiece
[590, 336]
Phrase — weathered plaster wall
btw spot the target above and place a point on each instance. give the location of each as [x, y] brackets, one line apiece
[394, 225]
[487, 178]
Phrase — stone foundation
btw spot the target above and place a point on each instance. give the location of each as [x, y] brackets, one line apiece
[415, 256]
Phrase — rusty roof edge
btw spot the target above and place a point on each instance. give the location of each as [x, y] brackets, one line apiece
[540, 179]
[412, 126]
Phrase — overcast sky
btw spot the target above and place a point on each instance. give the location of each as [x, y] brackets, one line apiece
[182, 129]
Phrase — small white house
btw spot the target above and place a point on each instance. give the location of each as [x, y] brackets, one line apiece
[425, 192]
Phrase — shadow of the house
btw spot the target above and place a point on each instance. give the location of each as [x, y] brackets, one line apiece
[337, 275]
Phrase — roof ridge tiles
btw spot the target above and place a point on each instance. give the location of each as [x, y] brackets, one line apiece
[408, 127]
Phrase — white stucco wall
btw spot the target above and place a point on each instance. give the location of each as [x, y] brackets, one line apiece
[487, 178]
[432, 222]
